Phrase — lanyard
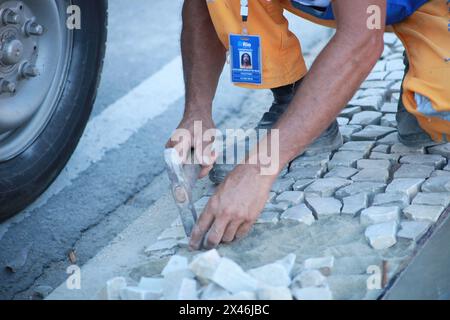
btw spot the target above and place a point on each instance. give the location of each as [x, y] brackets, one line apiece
[244, 15]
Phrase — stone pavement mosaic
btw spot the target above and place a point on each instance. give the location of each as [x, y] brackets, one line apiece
[332, 219]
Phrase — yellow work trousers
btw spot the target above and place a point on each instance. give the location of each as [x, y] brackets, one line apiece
[424, 34]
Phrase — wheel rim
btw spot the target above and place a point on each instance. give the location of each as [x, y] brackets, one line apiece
[35, 51]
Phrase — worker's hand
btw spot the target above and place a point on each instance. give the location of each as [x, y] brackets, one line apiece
[233, 210]
[186, 138]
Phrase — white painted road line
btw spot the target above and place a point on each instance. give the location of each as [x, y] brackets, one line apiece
[117, 123]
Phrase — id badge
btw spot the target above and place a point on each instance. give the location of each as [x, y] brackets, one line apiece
[245, 59]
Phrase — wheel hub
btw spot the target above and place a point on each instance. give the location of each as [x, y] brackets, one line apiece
[19, 45]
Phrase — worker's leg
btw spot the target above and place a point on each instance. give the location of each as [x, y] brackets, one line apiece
[282, 59]
[426, 87]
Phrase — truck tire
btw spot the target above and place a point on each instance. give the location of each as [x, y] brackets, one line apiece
[51, 57]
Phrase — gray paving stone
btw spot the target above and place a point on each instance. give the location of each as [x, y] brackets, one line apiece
[396, 75]
[395, 97]
[373, 164]
[372, 132]
[377, 76]
[372, 174]
[371, 188]
[390, 39]
[314, 293]
[413, 171]
[383, 148]
[393, 158]
[302, 184]
[382, 236]
[366, 117]
[389, 107]
[442, 149]
[436, 184]
[310, 161]
[291, 197]
[326, 187]
[413, 230]
[430, 199]
[232, 278]
[342, 121]
[373, 92]
[113, 288]
[368, 103]
[161, 245]
[312, 172]
[345, 159]
[376, 84]
[273, 275]
[353, 205]
[341, 172]
[434, 160]
[395, 65]
[389, 120]
[390, 139]
[410, 187]
[359, 146]
[282, 185]
[269, 217]
[440, 173]
[401, 148]
[379, 66]
[388, 199]
[324, 206]
[350, 111]
[375, 215]
[278, 207]
[423, 213]
[300, 213]
[272, 196]
[386, 52]
[348, 130]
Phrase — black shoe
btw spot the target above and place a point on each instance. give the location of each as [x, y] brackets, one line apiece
[329, 141]
[409, 131]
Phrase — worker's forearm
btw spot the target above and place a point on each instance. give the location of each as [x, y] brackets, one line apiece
[203, 56]
[330, 84]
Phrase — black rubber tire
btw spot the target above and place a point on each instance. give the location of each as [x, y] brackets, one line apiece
[25, 177]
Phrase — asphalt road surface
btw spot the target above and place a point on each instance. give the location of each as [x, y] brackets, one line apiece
[115, 174]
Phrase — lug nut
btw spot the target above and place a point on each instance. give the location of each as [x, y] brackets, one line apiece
[10, 17]
[33, 28]
[7, 86]
[29, 70]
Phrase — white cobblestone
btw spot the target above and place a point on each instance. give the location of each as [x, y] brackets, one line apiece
[430, 199]
[389, 199]
[434, 160]
[268, 217]
[436, 184]
[232, 278]
[326, 187]
[274, 275]
[323, 264]
[314, 293]
[375, 215]
[382, 236]
[310, 278]
[371, 188]
[300, 214]
[324, 206]
[413, 171]
[421, 212]
[372, 174]
[274, 293]
[413, 230]
[410, 187]
[353, 205]
[291, 197]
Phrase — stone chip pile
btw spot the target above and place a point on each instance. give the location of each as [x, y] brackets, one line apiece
[208, 276]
